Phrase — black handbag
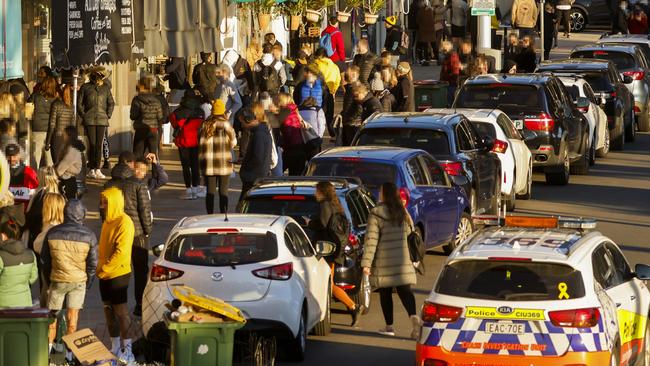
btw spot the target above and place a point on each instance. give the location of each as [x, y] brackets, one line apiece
[416, 250]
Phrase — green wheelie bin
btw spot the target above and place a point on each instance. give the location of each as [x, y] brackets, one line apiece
[23, 337]
[202, 344]
[430, 94]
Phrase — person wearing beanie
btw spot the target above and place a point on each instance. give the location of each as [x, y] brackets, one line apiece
[23, 180]
[393, 38]
[403, 91]
[216, 141]
[509, 67]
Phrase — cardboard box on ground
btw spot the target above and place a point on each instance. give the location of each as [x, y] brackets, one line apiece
[88, 349]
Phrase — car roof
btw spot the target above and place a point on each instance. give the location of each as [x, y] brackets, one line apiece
[556, 244]
[407, 119]
[625, 38]
[532, 78]
[239, 221]
[609, 46]
[388, 153]
[572, 80]
[575, 64]
[469, 113]
[299, 187]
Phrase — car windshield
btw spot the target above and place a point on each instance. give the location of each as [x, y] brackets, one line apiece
[497, 96]
[432, 141]
[509, 280]
[298, 207]
[485, 129]
[372, 174]
[222, 249]
[623, 61]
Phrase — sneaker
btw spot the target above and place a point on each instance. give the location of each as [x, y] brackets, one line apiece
[99, 174]
[417, 325]
[201, 191]
[188, 194]
[92, 174]
[125, 356]
[388, 331]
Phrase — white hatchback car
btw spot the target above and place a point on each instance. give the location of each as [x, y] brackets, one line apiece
[510, 147]
[262, 264]
[537, 291]
[596, 117]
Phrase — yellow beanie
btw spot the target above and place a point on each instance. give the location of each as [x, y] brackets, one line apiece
[218, 108]
[391, 20]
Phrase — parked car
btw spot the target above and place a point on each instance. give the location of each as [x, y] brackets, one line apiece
[453, 141]
[587, 102]
[439, 209]
[556, 133]
[262, 264]
[591, 12]
[632, 65]
[641, 41]
[607, 83]
[295, 197]
[516, 159]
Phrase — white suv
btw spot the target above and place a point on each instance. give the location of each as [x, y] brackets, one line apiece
[262, 264]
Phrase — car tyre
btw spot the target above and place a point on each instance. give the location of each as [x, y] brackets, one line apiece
[619, 141]
[581, 167]
[578, 20]
[295, 351]
[324, 327]
[592, 151]
[529, 185]
[630, 130]
[560, 177]
[603, 151]
[464, 231]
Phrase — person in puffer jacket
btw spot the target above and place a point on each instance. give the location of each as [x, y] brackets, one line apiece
[18, 269]
[61, 116]
[42, 100]
[186, 121]
[314, 117]
[147, 116]
[312, 86]
[71, 162]
[69, 258]
[293, 156]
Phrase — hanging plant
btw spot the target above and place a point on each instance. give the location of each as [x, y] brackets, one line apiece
[374, 6]
[293, 9]
[263, 9]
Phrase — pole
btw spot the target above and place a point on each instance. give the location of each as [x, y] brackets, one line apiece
[541, 27]
[484, 37]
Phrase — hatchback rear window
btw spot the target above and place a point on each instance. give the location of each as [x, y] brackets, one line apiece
[222, 249]
[432, 141]
[573, 91]
[510, 280]
[497, 95]
[297, 207]
[485, 129]
[372, 174]
[623, 61]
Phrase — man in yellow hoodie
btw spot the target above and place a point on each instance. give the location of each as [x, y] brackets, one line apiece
[114, 270]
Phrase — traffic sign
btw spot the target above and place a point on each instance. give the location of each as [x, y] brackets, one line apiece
[483, 7]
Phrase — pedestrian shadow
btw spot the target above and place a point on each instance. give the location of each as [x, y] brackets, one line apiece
[324, 352]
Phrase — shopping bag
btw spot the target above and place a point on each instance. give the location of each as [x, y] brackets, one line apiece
[365, 294]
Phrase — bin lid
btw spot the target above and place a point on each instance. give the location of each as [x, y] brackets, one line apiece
[429, 82]
[190, 296]
[24, 313]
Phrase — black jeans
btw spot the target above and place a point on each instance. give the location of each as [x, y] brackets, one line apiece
[328, 108]
[211, 181]
[140, 260]
[190, 163]
[348, 133]
[564, 16]
[293, 158]
[68, 187]
[95, 135]
[386, 300]
[145, 139]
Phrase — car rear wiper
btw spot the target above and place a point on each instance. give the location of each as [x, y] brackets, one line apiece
[233, 264]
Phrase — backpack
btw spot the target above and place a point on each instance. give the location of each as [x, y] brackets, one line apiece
[339, 231]
[326, 43]
[270, 78]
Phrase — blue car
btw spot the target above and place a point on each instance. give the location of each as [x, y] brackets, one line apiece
[439, 208]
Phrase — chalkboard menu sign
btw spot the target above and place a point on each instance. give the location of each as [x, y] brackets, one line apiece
[96, 31]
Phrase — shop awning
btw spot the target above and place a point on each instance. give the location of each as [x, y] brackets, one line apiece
[96, 32]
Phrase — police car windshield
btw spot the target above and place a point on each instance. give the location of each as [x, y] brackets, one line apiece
[510, 280]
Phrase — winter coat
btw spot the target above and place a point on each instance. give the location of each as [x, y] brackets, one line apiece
[330, 73]
[34, 215]
[404, 95]
[351, 112]
[524, 14]
[186, 121]
[315, 117]
[258, 69]
[387, 99]
[257, 160]
[450, 70]
[366, 63]
[18, 270]
[159, 177]
[95, 104]
[176, 71]
[61, 116]
[305, 90]
[338, 46]
[370, 105]
[146, 111]
[291, 128]
[393, 40]
[526, 60]
[116, 239]
[319, 226]
[426, 25]
[20, 178]
[228, 93]
[137, 203]
[385, 250]
[204, 77]
[215, 152]
[71, 162]
[459, 13]
[549, 31]
[42, 109]
[69, 251]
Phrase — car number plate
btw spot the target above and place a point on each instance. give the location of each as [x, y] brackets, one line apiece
[504, 328]
[519, 124]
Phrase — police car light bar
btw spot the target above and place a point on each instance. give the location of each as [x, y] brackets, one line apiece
[537, 222]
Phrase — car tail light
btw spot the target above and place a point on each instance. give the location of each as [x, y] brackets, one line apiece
[453, 168]
[223, 231]
[435, 363]
[500, 146]
[543, 122]
[583, 109]
[351, 159]
[509, 259]
[432, 313]
[281, 272]
[545, 148]
[161, 273]
[576, 318]
[635, 75]
[600, 53]
[288, 197]
[405, 196]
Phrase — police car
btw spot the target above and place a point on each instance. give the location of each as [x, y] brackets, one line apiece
[536, 291]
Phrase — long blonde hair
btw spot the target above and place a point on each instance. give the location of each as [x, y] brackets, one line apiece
[53, 205]
[48, 180]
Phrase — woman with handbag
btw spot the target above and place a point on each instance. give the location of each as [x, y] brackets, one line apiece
[386, 258]
[313, 127]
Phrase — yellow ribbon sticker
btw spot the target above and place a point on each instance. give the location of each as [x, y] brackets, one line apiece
[562, 287]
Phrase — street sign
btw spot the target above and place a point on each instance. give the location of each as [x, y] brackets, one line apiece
[477, 12]
[483, 7]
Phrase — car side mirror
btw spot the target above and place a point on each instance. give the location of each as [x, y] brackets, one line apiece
[627, 79]
[642, 271]
[324, 248]
[157, 250]
[582, 102]
[487, 143]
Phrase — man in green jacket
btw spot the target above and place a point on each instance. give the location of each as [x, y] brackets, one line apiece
[18, 269]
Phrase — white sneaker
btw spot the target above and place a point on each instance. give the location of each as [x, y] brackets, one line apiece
[116, 344]
[388, 331]
[99, 174]
[201, 192]
[91, 174]
[417, 325]
[188, 194]
[125, 356]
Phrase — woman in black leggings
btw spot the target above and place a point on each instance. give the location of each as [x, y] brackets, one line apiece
[186, 121]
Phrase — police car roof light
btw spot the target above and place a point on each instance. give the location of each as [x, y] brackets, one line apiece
[531, 222]
[487, 220]
[577, 223]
